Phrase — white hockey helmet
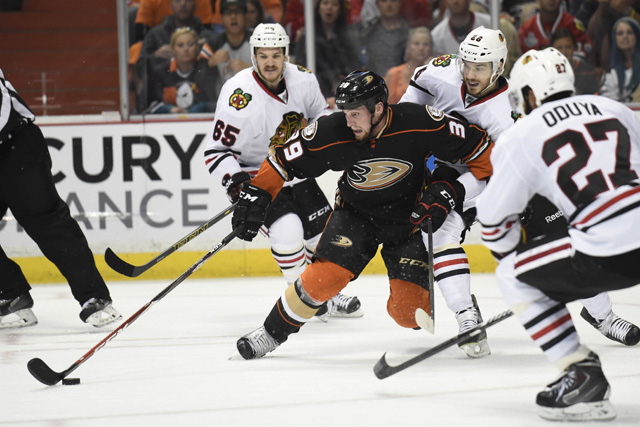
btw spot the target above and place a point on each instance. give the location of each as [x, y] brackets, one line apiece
[484, 45]
[268, 35]
[546, 72]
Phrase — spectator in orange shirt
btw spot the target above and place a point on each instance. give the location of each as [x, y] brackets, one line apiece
[419, 52]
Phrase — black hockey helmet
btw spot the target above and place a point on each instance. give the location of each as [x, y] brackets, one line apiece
[362, 88]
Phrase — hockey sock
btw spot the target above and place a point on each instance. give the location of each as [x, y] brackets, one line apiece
[549, 324]
[291, 262]
[599, 306]
[451, 271]
[292, 310]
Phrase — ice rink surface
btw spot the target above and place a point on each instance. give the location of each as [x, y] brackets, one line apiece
[172, 366]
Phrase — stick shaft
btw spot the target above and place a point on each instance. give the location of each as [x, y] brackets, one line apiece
[432, 308]
[47, 376]
[130, 270]
[383, 370]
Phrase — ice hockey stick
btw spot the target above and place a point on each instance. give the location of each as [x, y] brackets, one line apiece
[129, 270]
[383, 370]
[43, 373]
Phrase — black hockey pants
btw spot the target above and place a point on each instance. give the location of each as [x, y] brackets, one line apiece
[28, 190]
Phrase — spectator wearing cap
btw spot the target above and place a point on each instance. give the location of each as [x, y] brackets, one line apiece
[232, 52]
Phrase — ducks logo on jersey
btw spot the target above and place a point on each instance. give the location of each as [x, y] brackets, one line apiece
[376, 174]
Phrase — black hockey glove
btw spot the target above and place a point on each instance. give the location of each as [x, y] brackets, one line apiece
[251, 210]
[438, 200]
[233, 184]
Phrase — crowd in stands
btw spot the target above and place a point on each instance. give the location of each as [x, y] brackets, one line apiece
[182, 51]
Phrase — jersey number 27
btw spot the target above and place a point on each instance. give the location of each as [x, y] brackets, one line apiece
[596, 182]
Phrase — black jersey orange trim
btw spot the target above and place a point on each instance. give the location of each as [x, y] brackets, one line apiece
[411, 130]
[268, 179]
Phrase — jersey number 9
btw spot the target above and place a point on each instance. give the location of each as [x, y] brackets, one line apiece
[293, 151]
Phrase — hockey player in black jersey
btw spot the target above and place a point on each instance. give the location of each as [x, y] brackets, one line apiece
[380, 200]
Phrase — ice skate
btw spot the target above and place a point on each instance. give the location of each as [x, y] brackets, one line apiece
[340, 306]
[476, 346]
[256, 344]
[16, 312]
[615, 328]
[99, 312]
[581, 394]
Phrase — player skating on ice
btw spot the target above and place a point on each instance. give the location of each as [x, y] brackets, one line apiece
[471, 85]
[265, 105]
[382, 150]
[582, 153]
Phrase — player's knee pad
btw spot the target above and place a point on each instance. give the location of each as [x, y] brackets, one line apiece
[404, 299]
[322, 280]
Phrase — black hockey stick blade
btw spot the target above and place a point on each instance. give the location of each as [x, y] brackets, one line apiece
[43, 373]
[383, 370]
[130, 270]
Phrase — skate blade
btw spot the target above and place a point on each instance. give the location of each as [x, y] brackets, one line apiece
[104, 317]
[236, 356]
[592, 411]
[354, 314]
[476, 350]
[19, 319]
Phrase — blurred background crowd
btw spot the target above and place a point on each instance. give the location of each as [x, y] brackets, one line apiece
[182, 51]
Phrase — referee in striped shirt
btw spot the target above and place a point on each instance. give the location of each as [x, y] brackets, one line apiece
[27, 188]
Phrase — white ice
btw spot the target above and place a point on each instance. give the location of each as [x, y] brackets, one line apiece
[172, 366]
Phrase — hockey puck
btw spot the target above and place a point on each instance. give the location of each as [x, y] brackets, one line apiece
[70, 381]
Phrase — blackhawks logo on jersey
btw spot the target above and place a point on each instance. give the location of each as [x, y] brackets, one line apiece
[239, 99]
[301, 68]
[377, 174]
[290, 123]
[444, 60]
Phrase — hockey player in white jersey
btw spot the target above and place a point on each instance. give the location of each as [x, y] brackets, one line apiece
[582, 153]
[265, 105]
[470, 84]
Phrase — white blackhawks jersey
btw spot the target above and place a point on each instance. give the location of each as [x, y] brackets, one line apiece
[249, 117]
[583, 154]
[440, 85]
